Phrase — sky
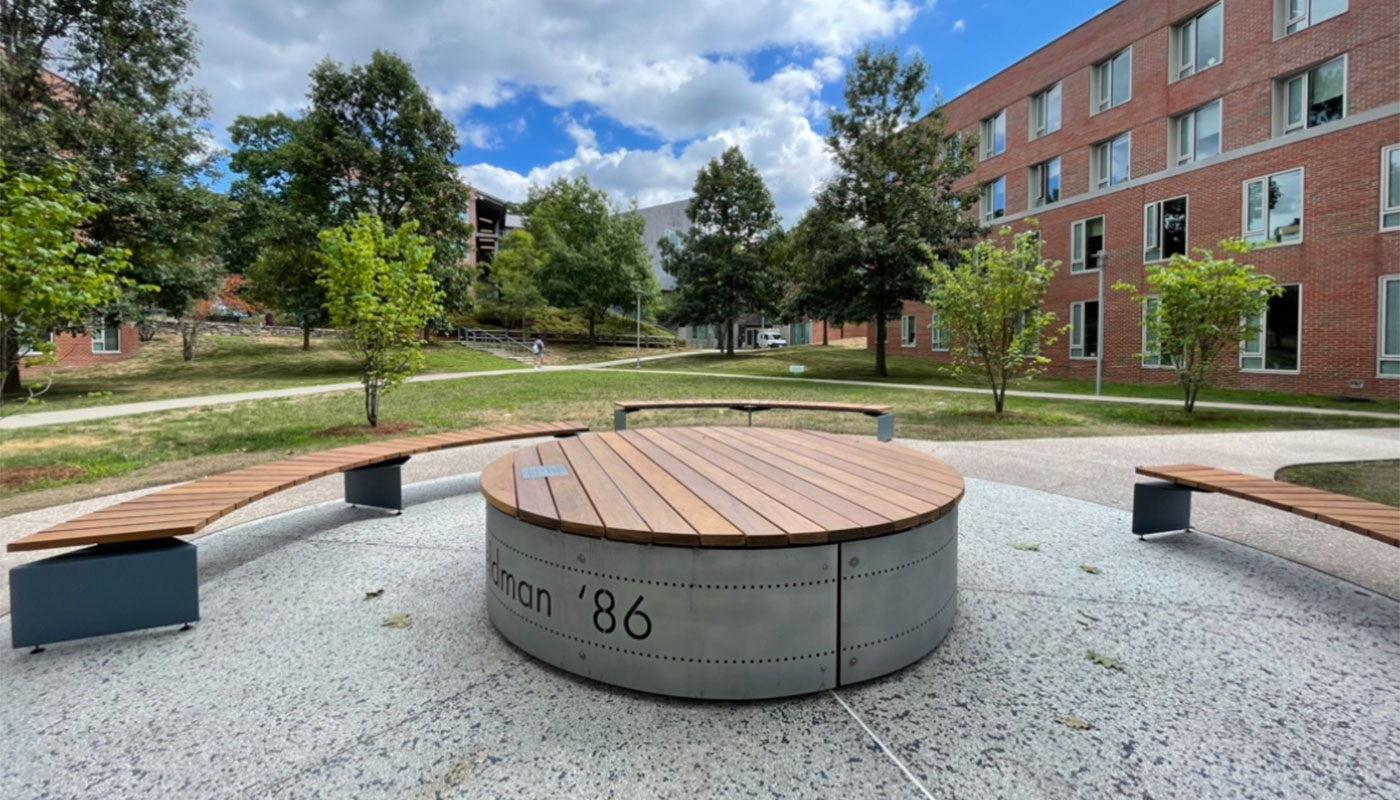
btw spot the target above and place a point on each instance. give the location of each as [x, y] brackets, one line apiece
[636, 94]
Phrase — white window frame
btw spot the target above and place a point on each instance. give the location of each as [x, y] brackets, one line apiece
[1184, 38]
[1175, 136]
[1102, 81]
[989, 140]
[29, 352]
[1382, 356]
[1259, 341]
[1040, 108]
[1102, 165]
[1281, 124]
[1076, 332]
[1150, 359]
[1152, 228]
[1385, 189]
[1079, 240]
[1302, 21]
[1036, 182]
[939, 337]
[98, 335]
[1246, 232]
[988, 202]
[908, 331]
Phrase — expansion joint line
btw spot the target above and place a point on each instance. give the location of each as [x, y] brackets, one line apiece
[917, 783]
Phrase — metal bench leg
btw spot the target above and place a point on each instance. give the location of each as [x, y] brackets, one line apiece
[1160, 506]
[377, 486]
[109, 588]
[619, 420]
[884, 427]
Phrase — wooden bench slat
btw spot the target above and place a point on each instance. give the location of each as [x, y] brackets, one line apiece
[532, 496]
[816, 405]
[666, 525]
[709, 525]
[619, 519]
[881, 457]
[576, 510]
[872, 468]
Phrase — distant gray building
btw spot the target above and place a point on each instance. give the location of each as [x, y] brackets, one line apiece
[667, 219]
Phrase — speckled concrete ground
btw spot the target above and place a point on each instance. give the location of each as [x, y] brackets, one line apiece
[1244, 675]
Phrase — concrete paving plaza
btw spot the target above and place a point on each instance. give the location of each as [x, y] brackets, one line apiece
[1243, 675]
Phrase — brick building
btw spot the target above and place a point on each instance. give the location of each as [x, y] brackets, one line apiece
[1161, 125]
[99, 344]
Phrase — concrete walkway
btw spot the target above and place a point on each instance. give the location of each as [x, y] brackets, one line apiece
[42, 418]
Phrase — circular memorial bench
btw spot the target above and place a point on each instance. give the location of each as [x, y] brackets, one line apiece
[722, 562]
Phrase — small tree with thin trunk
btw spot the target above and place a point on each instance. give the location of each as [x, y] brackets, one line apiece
[1197, 308]
[990, 304]
[379, 295]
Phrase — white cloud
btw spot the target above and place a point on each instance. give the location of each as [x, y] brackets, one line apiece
[959, 26]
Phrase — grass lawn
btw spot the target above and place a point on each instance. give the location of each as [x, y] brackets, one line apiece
[1371, 480]
[55, 464]
[559, 354]
[859, 365]
[227, 364]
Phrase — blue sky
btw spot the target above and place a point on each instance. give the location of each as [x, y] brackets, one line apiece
[636, 94]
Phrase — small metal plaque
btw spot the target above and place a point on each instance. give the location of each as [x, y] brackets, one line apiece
[547, 471]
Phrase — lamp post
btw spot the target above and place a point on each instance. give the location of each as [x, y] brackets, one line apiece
[639, 328]
[1098, 333]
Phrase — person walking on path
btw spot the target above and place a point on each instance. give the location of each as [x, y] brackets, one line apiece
[538, 349]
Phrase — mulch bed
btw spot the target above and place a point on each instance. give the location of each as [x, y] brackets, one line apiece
[19, 477]
[348, 431]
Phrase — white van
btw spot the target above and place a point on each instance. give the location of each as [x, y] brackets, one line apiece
[769, 338]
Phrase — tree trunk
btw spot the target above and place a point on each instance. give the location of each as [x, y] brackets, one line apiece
[592, 329]
[882, 336]
[13, 384]
[372, 403]
[729, 328]
[189, 329]
[825, 327]
[305, 336]
[999, 397]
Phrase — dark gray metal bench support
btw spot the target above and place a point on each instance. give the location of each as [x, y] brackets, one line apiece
[884, 427]
[620, 419]
[1160, 506]
[109, 588]
[377, 486]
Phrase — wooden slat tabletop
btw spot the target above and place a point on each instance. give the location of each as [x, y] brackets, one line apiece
[725, 486]
[1378, 521]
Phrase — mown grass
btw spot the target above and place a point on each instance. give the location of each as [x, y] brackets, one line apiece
[1371, 480]
[157, 448]
[859, 365]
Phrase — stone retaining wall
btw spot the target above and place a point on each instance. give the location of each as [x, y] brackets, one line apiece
[235, 329]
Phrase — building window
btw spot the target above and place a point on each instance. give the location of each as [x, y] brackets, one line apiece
[700, 332]
[1313, 97]
[1389, 334]
[107, 338]
[907, 331]
[1045, 112]
[1086, 244]
[1295, 15]
[1113, 161]
[1164, 230]
[1277, 342]
[1197, 43]
[994, 135]
[1151, 351]
[1045, 182]
[1196, 134]
[1113, 81]
[1084, 331]
[1273, 208]
[994, 199]
[1390, 188]
[938, 335]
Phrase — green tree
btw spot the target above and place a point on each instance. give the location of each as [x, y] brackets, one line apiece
[892, 198]
[516, 273]
[1197, 308]
[370, 142]
[102, 85]
[49, 280]
[597, 259]
[726, 265]
[380, 295]
[989, 304]
[813, 293]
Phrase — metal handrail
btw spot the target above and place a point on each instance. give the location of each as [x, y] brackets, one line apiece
[493, 340]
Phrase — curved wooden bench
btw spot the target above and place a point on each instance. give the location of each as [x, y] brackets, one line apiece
[1159, 507]
[137, 575]
[884, 415]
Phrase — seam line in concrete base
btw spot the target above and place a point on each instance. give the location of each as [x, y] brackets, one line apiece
[879, 741]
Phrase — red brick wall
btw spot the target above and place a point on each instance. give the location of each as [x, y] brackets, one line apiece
[1343, 252]
[76, 351]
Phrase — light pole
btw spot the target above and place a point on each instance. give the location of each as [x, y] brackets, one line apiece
[639, 327]
[1098, 333]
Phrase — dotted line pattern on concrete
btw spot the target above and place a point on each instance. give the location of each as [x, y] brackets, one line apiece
[670, 584]
[903, 633]
[888, 570]
[657, 656]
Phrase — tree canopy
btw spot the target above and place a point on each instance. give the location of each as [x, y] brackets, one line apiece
[727, 264]
[516, 273]
[597, 259]
[891, 201]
